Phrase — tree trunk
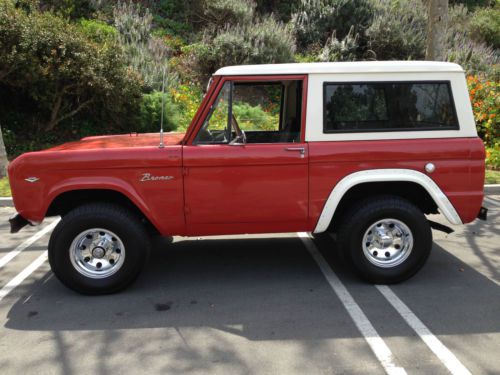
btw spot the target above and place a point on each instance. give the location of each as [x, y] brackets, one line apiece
[3, 156]
[436, 30]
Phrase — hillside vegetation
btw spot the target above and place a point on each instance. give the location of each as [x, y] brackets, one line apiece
[71, 68]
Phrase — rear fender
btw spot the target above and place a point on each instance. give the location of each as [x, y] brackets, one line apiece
[385, 175]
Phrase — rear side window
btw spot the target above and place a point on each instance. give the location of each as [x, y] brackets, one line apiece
[388, 106]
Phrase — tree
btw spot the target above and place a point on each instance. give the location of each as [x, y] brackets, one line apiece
[436, 29]
[60, 68]
[3, 156]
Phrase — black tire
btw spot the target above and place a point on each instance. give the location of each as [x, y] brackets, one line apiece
[118, 220]
[366, 213]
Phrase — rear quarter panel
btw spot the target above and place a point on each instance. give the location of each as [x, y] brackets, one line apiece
[459, 167]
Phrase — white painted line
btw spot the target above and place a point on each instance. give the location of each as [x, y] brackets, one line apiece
[491, 201]
[12, 254]
[19, 278]
[442, 352]
[5, 199]
[376, 343]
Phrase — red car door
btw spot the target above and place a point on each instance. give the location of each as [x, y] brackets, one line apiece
[259, 184]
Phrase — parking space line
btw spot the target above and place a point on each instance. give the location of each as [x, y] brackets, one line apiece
[376, 343]
[438, 348]
[12, 254]
[19, 278]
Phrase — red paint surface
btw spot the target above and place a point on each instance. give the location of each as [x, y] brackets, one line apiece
[222, 189]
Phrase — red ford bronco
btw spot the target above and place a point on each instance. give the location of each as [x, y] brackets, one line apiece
[364, 150]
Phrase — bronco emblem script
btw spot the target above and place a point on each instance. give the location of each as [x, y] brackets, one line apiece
[150, 177]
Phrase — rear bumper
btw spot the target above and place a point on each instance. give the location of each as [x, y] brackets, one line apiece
[17, 222]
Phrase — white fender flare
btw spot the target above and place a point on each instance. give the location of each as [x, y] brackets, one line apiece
[385, 175]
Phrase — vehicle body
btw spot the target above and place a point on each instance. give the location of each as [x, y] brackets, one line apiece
[344, 132]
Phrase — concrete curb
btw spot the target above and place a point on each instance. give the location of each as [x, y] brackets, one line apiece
[6, 202]
[493, 189]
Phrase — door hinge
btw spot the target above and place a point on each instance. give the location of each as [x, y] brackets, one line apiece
[185, 171]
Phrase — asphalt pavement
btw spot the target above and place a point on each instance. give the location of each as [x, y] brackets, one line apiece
[266, 304]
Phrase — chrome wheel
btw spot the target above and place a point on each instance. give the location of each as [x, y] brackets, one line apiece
[387, 243]
[97, 253]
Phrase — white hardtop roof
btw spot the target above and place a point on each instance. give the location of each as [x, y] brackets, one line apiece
[341, 67]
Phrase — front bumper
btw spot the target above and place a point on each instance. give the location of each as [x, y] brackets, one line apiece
[17, 222]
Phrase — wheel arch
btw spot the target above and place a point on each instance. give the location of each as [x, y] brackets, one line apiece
[407, 183]
[67, 200]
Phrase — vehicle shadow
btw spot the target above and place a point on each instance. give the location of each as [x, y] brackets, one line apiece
[257, 288]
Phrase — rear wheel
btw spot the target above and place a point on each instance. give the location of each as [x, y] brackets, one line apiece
[98, 248]
[387, 239]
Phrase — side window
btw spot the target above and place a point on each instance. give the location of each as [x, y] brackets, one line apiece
[388, 106]
[214, 130]
[254, 112]
[257, 107]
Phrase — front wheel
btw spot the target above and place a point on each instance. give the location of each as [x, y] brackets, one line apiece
[387, 239]
[98, 248]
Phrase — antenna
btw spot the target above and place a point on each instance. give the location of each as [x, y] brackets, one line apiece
[162, 106]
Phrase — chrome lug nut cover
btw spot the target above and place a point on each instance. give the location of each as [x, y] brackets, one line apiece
[97, 253]
[387, 243]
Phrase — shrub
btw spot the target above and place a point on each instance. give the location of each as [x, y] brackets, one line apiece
[282, 9]
[474, 57]
[267, 41]
[144, 53]
[341, 50]
[59, 71]
[187, 98]
[254, 117]
[220, 13]
[493, 156]
[98, 31]
[150, 113]
[463, 48]
[485, 99]
[316, 20]
[398, 30]
[485, 25]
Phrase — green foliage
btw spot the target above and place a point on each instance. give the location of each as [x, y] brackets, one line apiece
[282, 9]
[315, 20]
[84, 67]
[144, 53]
[187, 98]
[150, 113]
[493, 177]
[463, 48]
[341, 50]
[493, 159]
[54, 64]
[254, 117]
[4, 187]
[485, 99]
[485, 25]
[398, 30]
[98, 31]
[73, 9]
[220, 13]
[267, 41]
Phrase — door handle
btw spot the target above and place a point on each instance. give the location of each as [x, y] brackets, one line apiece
[302, 150]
